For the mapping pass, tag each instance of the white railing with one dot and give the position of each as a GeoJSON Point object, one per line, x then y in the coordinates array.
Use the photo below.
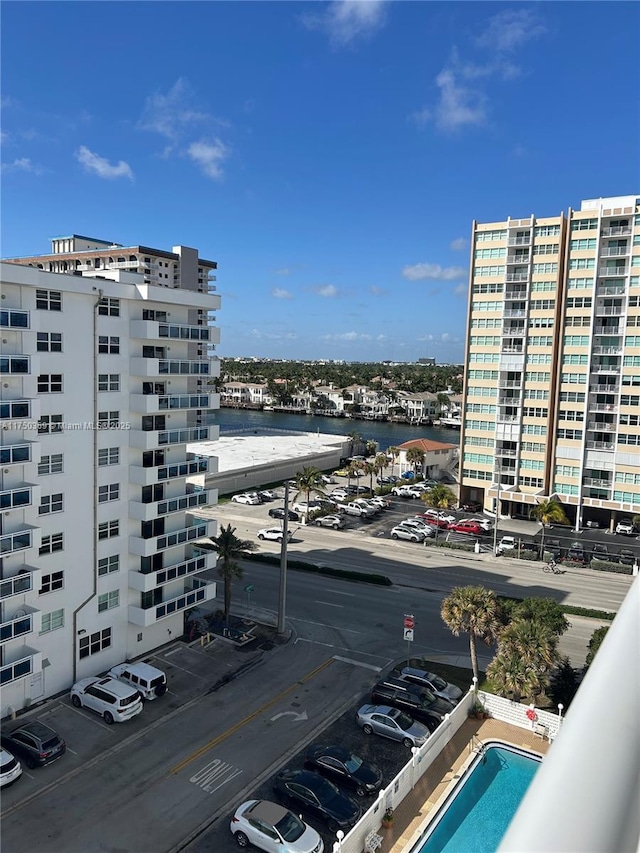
{"type": "Point", "coordinates": [618, 231]}
{"type": "Point", "coordinates": [622, 270]}
{"type": "Point", "coordinates": [585, 794]}
{"type": "Point", "coordinates": [517, 276]}
{"type": "Point", "coordinates": [600, 445]}
{"type": "Point", "coordinates": [519, 241]}
{"type": "Point", "coordinates": [615, 251]}
{"type": "Point", "coordinates": [518, 259]}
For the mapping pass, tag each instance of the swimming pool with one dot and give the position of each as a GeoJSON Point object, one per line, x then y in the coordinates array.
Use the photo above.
{"type": "Point", "coordinates": [477, 812]}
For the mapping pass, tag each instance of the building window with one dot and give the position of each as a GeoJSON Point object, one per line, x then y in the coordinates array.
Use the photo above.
{"type": "Point", "coordinates": [543, 287]}
{"type": "Point", "coordinates": [532, 482]}
{"type": "Point", "coordinates": [570, 434]}
{"type": "Point", "coordinates": [109, 307]}
{"type": "Point", "coordinates": [537, 376]}
{"type": "Point", "coordinates": [52, 582]}
{"type": "Point", "coordinates": [582, 263]}
{"type": "Point", "coordinates": [632, 341]}
{"type": "Point", "coordinates": [108, 493]}
{"type": "Point", "coordinates": [52, 543]}
{"type": "Point", "coordinates": [52, 621]}
{"type": "Point", "coordinates": [108, 345]}
{"type": "Point", "coordinates": [575, 359]}
{"type": "Point", "coordinates": [108, 456]}
{"type": "Point", "coordinates": [533, 429]}
{"type": "Point", "coordinates": [548, 267]}
{"type": "Point", "coordinates": [629, 400]}
{"type": "Point", "coordinates": [108, 529]}
{"type": "Point", "coordinates": [580, 321]}
{"type": "Point", "coordinates": [49, 424]}
{"type": "Point", "coordinates": [631, 361]}
{"type": "Point", "coordinates": [570, 415]}
{"type": "Point", "coordinates": [487, 288]}
{"type": "Point", "coordinates": [490, 236]}
{"type": "Point", "coordinates": [108, 420]}
{"type": "Point", "coordinates": [541, 322]}
{"type": "Point", "coordinates": [629, 420]}
{"type": "Point", "coordinates": [50, 383]}
{"type": "Point", "coordinates": [546, 249]}
{"type": "Point", "coordinates": [51, 464]}
{"type": "Point", "coordinates": [535, 412]}
{"type": "Point", "coordinates": [94, 643]}
{"type": "Point", "coordinates": [490, 253]}
{"type": "Point", "coordinates": [108, 601]}
{"type": "Point", "coordinates": [108, 382]}
{"type": "Point", "coordinates": [572, 396]}
{"type": "Point", "coordinates": [579, 302]}
{"type": "Point", "coordinates": [491, 269]}
{"type": "Point", "coordinates": [108, 565]}
{"type": "Point", "coordinates": [534, 358]}
{"type": "Point", "coordinates": [546, 231]}
{"type": "Point", "coordinates": [584, 224]}
{"type": "Point", "coordinates": [583, 244]}
{"type": "Point", "coordinates": [536, 394]}
{"type": "Point", "coordinates": [51, 503]}
{"type": "Point", "coordinates": [49, 300]}
{"type": "Point", "coordinates": [576, 340]}
{"type": "Point", "coordinates": [543, 304]}
{"type": "Point", "coordinates": [48, 342]}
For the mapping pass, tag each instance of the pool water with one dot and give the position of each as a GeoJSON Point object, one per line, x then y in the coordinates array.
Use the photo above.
{"type": "Point", "coordinates": [477, 817]}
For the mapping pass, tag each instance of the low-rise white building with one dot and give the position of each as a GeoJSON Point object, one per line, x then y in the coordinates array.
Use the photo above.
{"type": "Point", "coordinates": [104, 382]}
{"type": "Point", "coordinates": [438, 457]}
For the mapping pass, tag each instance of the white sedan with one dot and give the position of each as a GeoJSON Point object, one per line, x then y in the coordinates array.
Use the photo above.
{"type": "Point", "coordinates": [411, 534]}
{"type": "Point", "coordinates": [270, 826]}
{"type": "Point", "coordinates": [273, 534]}
{"type": "Point", "coordinates": [246, 498]}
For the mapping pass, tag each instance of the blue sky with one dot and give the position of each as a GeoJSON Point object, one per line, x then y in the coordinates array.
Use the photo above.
{"type": "Point", "coordinates": [330, 156]}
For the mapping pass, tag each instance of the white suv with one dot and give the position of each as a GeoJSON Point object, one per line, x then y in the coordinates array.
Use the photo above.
{"type": "Point", "coordinates": [625, 526]}
{"type": "Point", "coordinates": [147, 680]}
{"type": "Point", "coordinates": [113, 700]}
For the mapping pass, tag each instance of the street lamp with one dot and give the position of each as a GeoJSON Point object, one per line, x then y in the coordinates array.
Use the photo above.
{"type": "Point", "coordinates": [495, 527]}
{"type": "Point", "coordinates": [283, 563]}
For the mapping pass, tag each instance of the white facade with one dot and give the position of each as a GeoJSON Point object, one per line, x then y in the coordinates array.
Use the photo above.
{"type": "Point", "coordinates": [104, 381]}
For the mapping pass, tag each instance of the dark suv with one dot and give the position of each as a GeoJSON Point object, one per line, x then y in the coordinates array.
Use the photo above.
{"type": "Point", "coordinates": [36, 743]}
{"type": "Point", "coordinates": [418, 702]}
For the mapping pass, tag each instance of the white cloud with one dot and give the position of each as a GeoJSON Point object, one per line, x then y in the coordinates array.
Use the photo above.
{"type": "Point", "coordinates": [377, 291]}
{"type": "Point", "coordinates": [170, 114]}
{"type": "Point", "coordinates": [417, 272]}
{"type": "Point", "coordinates": [22, 164]}
{"type": "Point", "coordinates": [459, 244]}
{"type": "Point", "coordinates": [510, 29]}
{"type": "Point", "coordinates": [349, 336]}
{"type": "Point", "coordinates": [346, 20]}
{"type": "Point", "coordinates": [283, 271]}
{"type": "Point", "coordinates": [259, 334]}
{"type": "Point", "coordinates": [279, 293]}
{"type": "Point", "coordinates": [101, 167]}
{"type": "Point", "coordinates": [209, 156]}
{"type": "Point", "coordinates": [459, 105]}
{"type": "Point", "coordinates": [327, 290]}
{"type": "Point", "coordinates": [461, 289]}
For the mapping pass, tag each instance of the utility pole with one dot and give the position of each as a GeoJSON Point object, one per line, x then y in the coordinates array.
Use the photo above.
{"type": "Point", "coordinates": [495, 529]}
{"type": "Point", "coordinates": [283, 563]}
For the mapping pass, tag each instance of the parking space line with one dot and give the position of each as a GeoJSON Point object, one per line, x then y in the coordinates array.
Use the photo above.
{"type": "Point", "coordinates": [72, 751]}
{"type": "Point", "coordinates": [88, 716]}
{"type": "Point", "coordinates": [237, 726]}
{"type": "Point", "coordinates": [184, 669]}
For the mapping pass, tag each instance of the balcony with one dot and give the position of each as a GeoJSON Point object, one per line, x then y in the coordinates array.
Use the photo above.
{"type": "Point", "coordinates": [591, 481]}
{"type": "Point", "coordinates": [517, 276]}
{"type": "Point", "coordinates": [611, 289]}
{"type": "Point", "coordinates": [519, 241]}
{"type": "Point", "coordinates": [607, 350]}
{"type": "Point", "coordinates": [507, 418]}
{"type": "Point", "coordinates": [161, 473]}
{"type": "Point", "coordinates": [604, 389]}
{"type": "Point", "coordinates": [150, 403]}
{"type": "Point", "coordinates": [24, 620]}
{"type": "Point", "coordinates": [13, 318]}
{"type": "Point", "coordinates": [617, 231]}
{"type": "Point", "coordinates": [15, 365]}
{"type": "Point", "coordinates": [18, 498]}
{"type": "Point", "coordinates": [519, 259]}
{"type": "Point", "coordinates": [600, 445]}
{"type": "Point", "coordinates": [169, 367]}
{"type": "Point", "coordinates": [601, 426]}
{"type": "Point", "coordinates": [605, 368]}
{"type": "Point", "coordinates": [613, 271]}
{"type": "Point", "coordinates": [503, 451]}
{"type": "Point", "coordinates": [519, 312]}
{"type": "Point", "coordinates": [510, 383]}
{"type": "Point", "coordinates": [27, 579]}
{"type": "Point", "coordinates": [19, 664]}
{"type": "Point", "coordinates": [515, 293]}
{"type": "Point", "coordinates": [156, 509]}
{"type": "Point", "coordinates": [154, 439]}
{"type": "Point", "coordinates": [194, 592]}
{"type": "Point", "coordinates": [19, 454]}
{"type": "Point", "coordinates": [607, 330]}
{"type": "Point", "coordinates": [12, 543]}
{"type": "Point", "coordinates": [615, 251]}
{"type": "Point", "coordinates": [518, 349]}
{"type": "Point", "coordinates": [147, 582]}
{"type": "Point", "coordinates": [603, 407]}
{"type": "Point", "coordinates": [158, 330]}
{"type": "Point", "coordinates": [147, 547]}
{"type": "Point", "coordinates": [609, 310]}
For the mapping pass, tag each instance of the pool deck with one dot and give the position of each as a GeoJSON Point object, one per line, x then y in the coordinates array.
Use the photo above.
{"type": "Point", "coordinates": [413, 810]}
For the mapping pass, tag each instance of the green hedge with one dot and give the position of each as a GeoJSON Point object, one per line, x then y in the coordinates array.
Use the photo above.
{"type": "Point", "coordinates": [607, 566]}
{"type": "Point", "coordinates": [568, 609]}
{"type": "Point", "coordinates": [303, 566]}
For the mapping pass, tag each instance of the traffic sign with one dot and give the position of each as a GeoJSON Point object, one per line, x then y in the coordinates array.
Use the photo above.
{"type": "Point", "coordinates": [408, 634]}
{"type": "Point", "coordinates": [409, 621]}
{"type": "Point", "coordinates": [249, 588]}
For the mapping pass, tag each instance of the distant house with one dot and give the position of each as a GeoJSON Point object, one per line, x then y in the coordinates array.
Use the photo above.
{"type": "Point", "coordinates": [241, 393]}
{"type": "Point", "coordinates": [421, 404]}
{"type": "Point", "coordinates": [437, 455]}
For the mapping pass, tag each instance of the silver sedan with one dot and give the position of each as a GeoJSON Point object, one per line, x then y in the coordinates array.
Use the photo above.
{"type": "Point", "coordinates": [392, 723]}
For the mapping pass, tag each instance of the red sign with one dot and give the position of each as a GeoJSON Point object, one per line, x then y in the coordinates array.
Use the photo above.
{"type": "Point", "coordinates": [409, 622]}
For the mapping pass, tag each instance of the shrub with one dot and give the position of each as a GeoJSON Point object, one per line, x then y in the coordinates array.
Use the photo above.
{"type": "Point", "coordinates": [345, 574]}
{"type": "Point", "coordinates": [531, 556]}
{"type": "Point", "coordinates": [608, 566]}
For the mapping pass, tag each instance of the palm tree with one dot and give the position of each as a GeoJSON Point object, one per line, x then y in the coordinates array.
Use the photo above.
{"type": "Point", "coordinates": [370, 468]}
{"type": "Point", "coordinates": [230, 547]}
{"type": "Point", "coordinates": [547, 512]}
{"type": "Point", "coordinates": [371, 447]}
{"type": "Point", "coordinates": [439, 496]}
{"type": "Point", "coordinates": [532, 642]}
{"type": "Point", "coordinates": [393, 452]}
{"type": "Point", "coordinates": [380, 463]}
{"type": "Point", "coordinates": [474, 610]}
{"type": "Point", "coordinates": [415, 457]}
{"type": "Point", "coordinates": [511, 675]}
{"type": "Point", "coordinates": [309, 481]}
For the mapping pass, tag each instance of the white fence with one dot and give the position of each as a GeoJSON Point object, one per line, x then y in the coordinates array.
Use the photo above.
{"type": "Point", "coordinates": [515, 714]}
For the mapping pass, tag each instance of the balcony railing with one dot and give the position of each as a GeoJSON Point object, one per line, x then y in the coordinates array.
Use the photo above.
{"type": "Point", "coordinates": [13, 318]}
{"type": "Point", "coordinates": [604, 389]}
{"type": "Point", "coordinates": [512, 349]}
{"type": "Point", "coordinates": [617, 231]}
{"type": "Point", "coordinates": [10, 543]}
{"type": "Point", "coordinates": [15, 364]}
{"type": "Point", "coordinates": [607, 350]}
{"type": "Point", "coordinates": [613, 271]}
{"type": "Point", "coordinates": [153, 439]}
{"type": "Point", "coordinates": [600, 445]}
{"type": "Point", "coordinates": [591, 481]}
{"type": "Point", "coordinates": [27, 661]}
{"type": "Point", "coordinates": [503, 451]}
{"type": "Point", "coordinates": [519, 241]}
{"type": "Point", "coordinates": [514, 312]}
{"type": "Point", "coordinates": [194, 592]}
{"type": "Point", "coordinates": [615, 251]}
{"type": "Point", "coordinates": [601, 426]}
{"type": "Point", "coordinates": [515, 293]}
{"type": "Point", "coordinates": [155, 509]}
{"type": "Point", "coordinates": [519, 259]}
{"type": "Point", "coordinates": [147, 476]}
{"type": "Point", "coordinates": [609, 310]}
{"type": "Point", "coordinates": [510, 383]}
{"type": "Point", "coordinates": [14, 628]}
{"type": "Point", "coordinates": [605, 368]}
{"type": "Point", "coordinates": [611, 289]}
{"type": "Point", "coordinates": [147, 547]}
{"type": "Point", "coordinates": [169, 367]}
{"type": "Point", "coordinates": [16, 454]}
{"type": "Point", "coordinates": [507, 418]}
{"type": "Point", "coordinates": [200, 562]}
{"type": "Point", "coordinates": [517, 276]}
{"type": "Point", "coordinates": [607, 330]}
{"type": "Point", "coordinates": [602, 407]}
{"type": "Point", "coordinates": [149, 403]}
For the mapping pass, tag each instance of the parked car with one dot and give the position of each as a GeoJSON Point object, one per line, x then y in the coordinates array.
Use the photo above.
{"type": "Point", "coordinates": [278, 512]}
{"type": "Point", "coordinates": [340, 494]}
{"type": "Point", "coordinates": [149, 681]}
{"type": "Point", "coordinates": [415, 672]}
{"type": "Point", "coordinates": [345, 768]}
{"type": "Point", "coordinates": [507, 543]}
{"type": "Point", "coordinates": [328, 479]}
{"type": "Point", "coordinates": [35, 742]}
{"type": "Point", "coordinates": [10, 768]}
{"type": "Point", "coordinates": [485, 523]}
{"type": "Point", "coordinates": [269, 826]}
{"type": "Point", "coordinates": [354, 508]}
{"type": "Point", "coordinates": [246, 498]}
{"type": "Point", "coordinates": [553, 547]}
{"type": "Point", "coordinates": [367, 506]}
{"type": "Point", "coordinates": [335, 521]}
{"type": "Point", "coordinates": [273, 534]}
{"type": "Point", "coordinates": [627, 557]}
{"type": "Point", "coordinates": [404, 492]}
{"type": "Point", "coordinates": [303, 506]}
{"type": "Point", "coordinates": [431, 517]}
{"type": "Point", "coordinates": [440, 515]}
{"type": "Point", "coordinates": [316, 796]}
{"type": "Point", "coordinates": [341, 472]}
{"type": "Point", "coordinates": [410, 534]}
{"type": "Point", "coordinates": [114, 701]}
{"type": "Point", "coordinates": [417, 701]}
{"type": "Point", "coordinates": [577, 553]}
{"type": "Point", "coordinates": [625, 526]}
{"type": "Point", "coordinates": [353, 489]}
{"type": "Point", "coordinates": [267, 495]}
{"type": "Point", "coordinates": [386, 481]}
{"type": "Point", "coordinates": [380, 501]}
{"type": "Point", "coordinates": [390, 722]}
{"type": "Point", "coordinates": [600, 552]}
{"type": "Point", "coordinates": [419, 524]}
{"type": "Point", "coordinates": [468, 527]}
{"type": "Point", "coordinates": [471, 506]}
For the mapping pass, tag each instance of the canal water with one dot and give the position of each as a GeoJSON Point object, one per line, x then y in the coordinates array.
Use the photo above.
{"type": "Point", "coordinates": [384, 433]}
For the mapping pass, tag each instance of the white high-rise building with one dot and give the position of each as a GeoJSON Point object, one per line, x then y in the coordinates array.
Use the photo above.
{"type": "Point", "coordinates": [106, 356]}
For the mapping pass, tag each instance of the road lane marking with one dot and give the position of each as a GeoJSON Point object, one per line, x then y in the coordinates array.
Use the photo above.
{"type": "Point", "coordinates": [340, 592]}
{"type": "Point", "coordinates": [329, 604]}
{"type": "Point", "coordinates": [233, 729]}
{"type": "Point", "coordinates": [215, 771]}
{"type": "Point", "coordinates": [335, 646]}
{"type": "Point", "coordinates": [358, 663]}
{"type": "Point", "coordinates": [324, 625]}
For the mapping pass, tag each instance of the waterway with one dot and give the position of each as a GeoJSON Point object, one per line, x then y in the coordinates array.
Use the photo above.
{"type": "Point", "coordinates": [384, 433]}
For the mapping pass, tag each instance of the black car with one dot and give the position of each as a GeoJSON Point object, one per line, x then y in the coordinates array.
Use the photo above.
{"type": "Point", "coordinates": [316, 796]}
{"type": "Point", "coordinates": [418, 702]}
{"type": "Point", "coordinates": [626, 557]}
{"type": "Point", "coordinates": [577, 553]}
{"type": "Point", "coordinates": [278, 512]}
{"type": "Point", "coordinates": [345, 768]}
{"type": "Point", "coordinates": [471, 506]}
{"type": "Point", "coordinates": [553, 547]}
{"type": "Point", "coordinates": [35, 742]}
{"type": "Point", "coordinates": [600, 552]}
